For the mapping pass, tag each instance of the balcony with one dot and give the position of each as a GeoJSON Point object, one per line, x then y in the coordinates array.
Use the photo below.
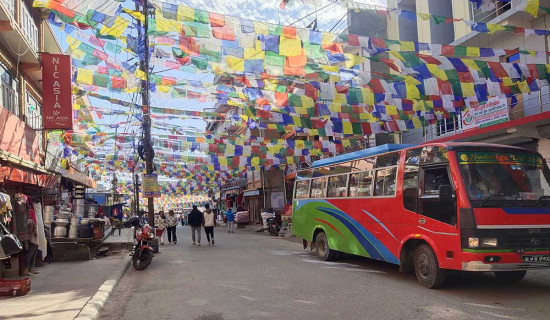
{"type": "Point", "coordinates": [19, 34]}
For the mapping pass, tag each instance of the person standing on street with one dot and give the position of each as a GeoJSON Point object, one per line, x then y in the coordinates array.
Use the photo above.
{"type": "Point", "coordinates": [171, 223]}
{"type": "Point", "coordinates": [160, 223]}
{"type": "Point", "coordinates": [209, 223]}
{"type": "Point", "coordinates": [195, 220]}
{"type": "Point", "coordinates": [230, 220]}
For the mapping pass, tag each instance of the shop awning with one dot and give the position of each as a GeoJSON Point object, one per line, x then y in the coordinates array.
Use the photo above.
{"type": "Point", "coordinates": [251, 193]}
{"type": "Point", "coordinates": [28, 176]}
{"type": "Point", "coordinates": [80, 178]}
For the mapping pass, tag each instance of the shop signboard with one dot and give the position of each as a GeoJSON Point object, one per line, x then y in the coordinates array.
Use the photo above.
{"type": "Point", "coordinates": [150, 186]}
{"type": "Point", "coordinates": [481, 116]}
{"type": "Point", "coordinates": [57, 103]}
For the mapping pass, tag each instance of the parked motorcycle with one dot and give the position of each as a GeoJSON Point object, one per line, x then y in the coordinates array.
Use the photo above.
{"type": "Point", "coordinates": [273, 226]}
{"type": "Point", "coordinates": [142, 252]}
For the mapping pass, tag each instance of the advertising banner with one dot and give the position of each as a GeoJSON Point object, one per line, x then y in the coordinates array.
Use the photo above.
{"type": "Point", "coordinates": [150, 186]}
{"type": "Point", "coordinates": [480, 116]}
{"type": "Point", "coordinates": [57, 102]}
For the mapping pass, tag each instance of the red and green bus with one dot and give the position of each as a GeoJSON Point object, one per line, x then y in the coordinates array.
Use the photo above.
{"type": "Point", "coordinates": [429, 208]}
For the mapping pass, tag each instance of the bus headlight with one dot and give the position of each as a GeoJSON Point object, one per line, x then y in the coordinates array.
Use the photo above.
{"type": "Point", "coordinates": [489, 242]}
{"type": "Point", "coordinates": [473, 242]}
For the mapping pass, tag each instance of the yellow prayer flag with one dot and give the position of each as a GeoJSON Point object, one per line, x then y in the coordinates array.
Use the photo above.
{"type": "Point", "coordinates": [347, 127]}
{"type": "Point", "coordinates": [297, 121]}
{"type": "Point", "coordinates": [407, 46]}
{"type": "Point", "coordinates": [222, 160]}
{"type": "Point", "coordinates": [163, 88]}
{"type": "Point", "coordinates": [261, 27]}
{"type": "Point", "coordinates": [495, 28]}
{"type": "Point", "coordinates": [118, 27]}
{"type": "Point", "coordinates": [353, 60]}
{"type": "Point", "coordinates": [334, 78]}
{"type": "Point", "coordinates": [136, 14]}
{"type": "Point", "coordinates": [252, 54]}
{"type": "Point", "coordinates": [368, 96]}
{"type": "Point", "coordinates": [436, 72]}
{"type": "Point", "coordinates": [236, 64]}
{"type": "Point", "coordinates": [507, 81]}
{"type": "Point", "coordinates": [330, 68]}
{"type": "Point", "coordinates": [391, 110]}
{"type": "Point", "coordinates": [290, 160]}
{"type": "Point", "coordinates": [416, 122]}
{"type": "Point", "coordinates": [470, 64]}
{"type": "Point", "coordinates": [472, 51]}
{"type": "Point", "coordinates": [72, 42]}
{"type": "Point", "coordinates": [411, 80]}
{"type": "Point", "coordinates": [340, 98]}
{"type": "Point", "coordinates": [85, 76]}
{"type": "Point", "coordinates": [290, 47]}
{"type": "Point", "coordinates": [307, 102]}
{"type": "Point", "coordinates": [532, 7]}
{"type": "Point", "coordinates": [424, 16]}
{"type": "Point", "coordinates": [468, 89]}
{"type": "Point", "coordinates": [186, 13]}
{"type": "Point", "coordinates": [397, 55]}
{"type": "Point", "coordinates": [412, 91]}
{"type": "Point", "coordinates": [523, 87]}
{"type": "Point", "coordinates": [140, 74]}
{"type": "Point", "coordinates": [300, 144]}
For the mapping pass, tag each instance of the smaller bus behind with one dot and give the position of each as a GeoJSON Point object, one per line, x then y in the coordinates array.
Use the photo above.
{"type": "Point", "coordinates": [430, 208]}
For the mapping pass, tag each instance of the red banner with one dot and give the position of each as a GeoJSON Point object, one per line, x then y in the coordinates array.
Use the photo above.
{"type": "Point", "coordinates": [56, 92]}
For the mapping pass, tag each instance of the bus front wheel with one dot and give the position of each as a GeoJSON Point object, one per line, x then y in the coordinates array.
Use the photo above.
{"type": "Point", "coordinates": [324, 252]}
{"type": "Point", "coordinates": [427, 268]}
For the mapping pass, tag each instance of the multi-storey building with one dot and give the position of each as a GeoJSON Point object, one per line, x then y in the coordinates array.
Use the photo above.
{"type": "Point", "coordinates": [528, 115]}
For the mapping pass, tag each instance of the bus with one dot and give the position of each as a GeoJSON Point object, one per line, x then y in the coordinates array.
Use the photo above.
{"type": "Point", "coordinates": [429, 208]}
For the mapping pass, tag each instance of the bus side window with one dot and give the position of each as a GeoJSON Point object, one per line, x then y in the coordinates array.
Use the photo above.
{"type": "Point", "coordinates": [360, 184]}
{"type": "Point", "coordinates": [337, 186]}
{"type": "Point", "coordinates": [302, 188]}
{"type": "Point", "coordinates": [410, 188]}
{"type": "Point", "coordinates": [429, 204]}
{"type": "Point", "coordinates": [318, 187]}
{"type": "Point", "coordinates": [385, 182]}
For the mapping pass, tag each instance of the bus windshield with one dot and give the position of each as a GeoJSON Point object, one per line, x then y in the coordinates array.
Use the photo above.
{"type": "Point", "coordinates": [504, 175]}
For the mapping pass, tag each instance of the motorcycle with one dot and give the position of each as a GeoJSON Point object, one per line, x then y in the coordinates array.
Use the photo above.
{"type": "Point", "coordinates": [273, 226]}
{"type": "Point", "coordinates": [142, 252]}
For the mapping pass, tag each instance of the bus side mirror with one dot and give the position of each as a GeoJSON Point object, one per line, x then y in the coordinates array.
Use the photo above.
{"type": "Point", "coordinates": [446, 192]}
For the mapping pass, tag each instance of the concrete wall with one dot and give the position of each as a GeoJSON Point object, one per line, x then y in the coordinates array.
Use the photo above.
{"type": "Point", "coordinates": [441, 33]}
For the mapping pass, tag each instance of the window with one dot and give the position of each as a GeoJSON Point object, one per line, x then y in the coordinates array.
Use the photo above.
{"type": "Point", "coordinates": [434, 178]}
{"type": "Point", "coordinates": [337, 186]}
{"type": "Point", "coordinates": [387, 160]}
{"type": "Point", "coordinates": [302, 188]}
{"type": "Point", "coordinates": [448, 125]}
{"type": "Point", "coordinates": [318, 187]}
{"type": "Point", "coordinates": [364, 164]}
{"type": "Point", "coordinates": [341, 168]}
{"type": "Point", "coordinates": [433, 154]}
{"type": "Point", "coordinates": [9, 90]}
{"type": "Point", "coordinates": [360, 184]}
{"type": "Point", "coordinates": [34, 112]}
{"type": "Point", "coordinates": [385, 182]}
{"type": "Point", "coordinates": [410, 188]}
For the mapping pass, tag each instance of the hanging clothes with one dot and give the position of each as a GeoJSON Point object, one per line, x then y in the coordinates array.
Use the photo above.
{"type": "Point", "coordinates": [21, 217]}
{"type": "Point", "coordinates": [6, 209]}
{"type": "Point", "coordinates": [42, 244]}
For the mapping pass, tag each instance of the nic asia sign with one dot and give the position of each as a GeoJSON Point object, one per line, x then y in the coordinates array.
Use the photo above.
{"type": "Point", "coordinates": [57, 102]}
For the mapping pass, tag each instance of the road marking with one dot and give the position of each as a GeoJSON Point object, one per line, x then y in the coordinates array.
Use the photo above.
{"type": "Point", "coordinates": [248, 298]}
{"type": "Point", "coordinates": [231, 286]}
{"type": "Point", "coordinates": [493, 307]}
{"type": "Point", "coordinates": [305, 302]}
{"type": "Point", "coordinates": [498, 315]}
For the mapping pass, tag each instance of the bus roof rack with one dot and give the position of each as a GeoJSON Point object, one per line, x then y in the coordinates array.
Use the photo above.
{"type": "Point", "coordinates": [360, 154]}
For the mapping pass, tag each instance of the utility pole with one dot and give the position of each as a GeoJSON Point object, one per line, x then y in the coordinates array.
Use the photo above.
{"type": "Point", "coordinates": [144, 66]}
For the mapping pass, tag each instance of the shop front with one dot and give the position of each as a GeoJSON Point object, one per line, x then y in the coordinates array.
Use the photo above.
{"type": "Point", "coordinates": [254, 202]}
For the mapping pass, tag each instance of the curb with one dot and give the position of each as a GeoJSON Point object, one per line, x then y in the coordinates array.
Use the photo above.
{"type": "Point", "coordinates": [90, 311]}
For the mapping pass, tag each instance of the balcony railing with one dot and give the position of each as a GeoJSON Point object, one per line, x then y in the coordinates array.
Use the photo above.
{"type": "Point", "coordinates": [28, 26]}
{"type": "Point", "coordinates": [478, 15]}
{"type": "Point", "coordinates": [10, 6]}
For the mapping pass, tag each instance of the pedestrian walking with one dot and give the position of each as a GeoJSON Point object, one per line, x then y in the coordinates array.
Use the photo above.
{"type": "Point", "coordinates": [195, 220]}
{"type": "Point", "coordinates": [160, 223]}
{"type": "Point", "coordinates": [209, 223]}
{"type": "Point", "coordinates": [171, 223]}
{"type": "Point", "coordinates": [230, 216]}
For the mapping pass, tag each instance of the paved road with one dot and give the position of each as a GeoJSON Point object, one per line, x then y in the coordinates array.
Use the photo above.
{"type": "Point", "coordinates": [249, 275]}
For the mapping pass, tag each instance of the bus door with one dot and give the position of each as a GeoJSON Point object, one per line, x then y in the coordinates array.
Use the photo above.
{"type": "Point", "coordinates": [436, 208]}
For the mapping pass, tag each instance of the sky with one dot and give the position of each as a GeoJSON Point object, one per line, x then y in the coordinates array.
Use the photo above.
{"type": "Point", "coordinates": [330, 15]}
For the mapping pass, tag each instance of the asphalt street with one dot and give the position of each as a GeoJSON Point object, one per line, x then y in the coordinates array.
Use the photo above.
{"type": "Point", "coordinates": [248, 275]}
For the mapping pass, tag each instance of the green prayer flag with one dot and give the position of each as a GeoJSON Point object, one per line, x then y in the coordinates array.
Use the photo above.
{"type": "Point", "coordinates": [438, 19]}
{"type": "Point", "coordinates": [461, 51]}
{"type": "Point", "coordinates": [313, 51]}
{"type": "Point", "coordinates": [357, 128]}
{"type": "Point", "coordinates": [274, 59]}
{"type": "Point", "coordinates": [201, 16]}
{"type": "Point", "coordinates": [275, 30]}
{"type": "Point", "coordinates": [200, 63]}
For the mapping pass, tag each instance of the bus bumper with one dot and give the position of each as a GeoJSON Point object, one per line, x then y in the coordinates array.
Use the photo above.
{"type": "Point", "coordinates": [496, 261]}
